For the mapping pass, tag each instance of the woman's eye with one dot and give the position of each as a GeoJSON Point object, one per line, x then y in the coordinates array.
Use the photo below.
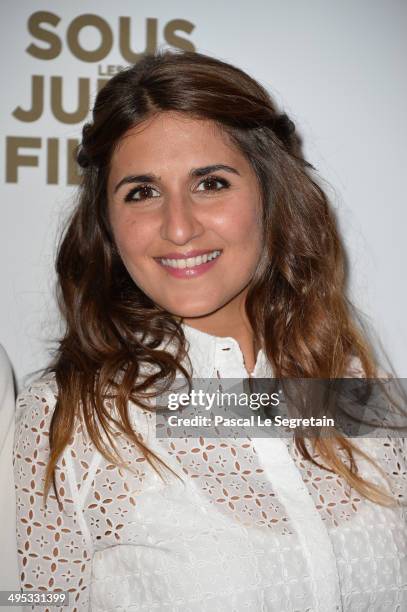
{"type": "Point", "coordinates": [142, 192]}
{"type": "Point", "coordinates": [212, 183]}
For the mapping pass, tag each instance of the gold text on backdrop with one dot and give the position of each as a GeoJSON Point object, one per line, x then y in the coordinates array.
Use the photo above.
{"type": "Point", "coordinates": [36, 152]}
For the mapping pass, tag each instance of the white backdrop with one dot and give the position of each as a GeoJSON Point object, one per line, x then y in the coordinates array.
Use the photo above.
{"type": "Point", "coordinates": [338, 68]}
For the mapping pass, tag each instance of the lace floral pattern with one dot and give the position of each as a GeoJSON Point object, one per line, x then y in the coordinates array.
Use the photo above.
{"type": "Point", "coordinates": [248, 526]}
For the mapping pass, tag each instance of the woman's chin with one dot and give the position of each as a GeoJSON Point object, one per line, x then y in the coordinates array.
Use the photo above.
{"type": "Point", "coordinates": [194, 311]}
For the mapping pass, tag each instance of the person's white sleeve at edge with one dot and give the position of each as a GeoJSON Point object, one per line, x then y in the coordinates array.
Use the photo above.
{"type": "Point", "coordinates": [9, 575]}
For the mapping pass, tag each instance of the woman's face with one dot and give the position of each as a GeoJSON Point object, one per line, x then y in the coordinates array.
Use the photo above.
{"type": "Point", "coordinates": [185, 210]}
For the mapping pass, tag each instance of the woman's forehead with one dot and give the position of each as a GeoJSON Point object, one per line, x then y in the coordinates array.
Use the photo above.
{"type": "Point", "coordinates": [167, 139]}
{"type": "Point", "coordinates": [178, 126]}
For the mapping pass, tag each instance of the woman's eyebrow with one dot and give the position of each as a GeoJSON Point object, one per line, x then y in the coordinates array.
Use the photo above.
{"type": "Point", "coordinates": [213, 168]}
{"type": "Point", "coordinates": [133, 178]}
{"type": "Point", "coordinates": [149, 178]}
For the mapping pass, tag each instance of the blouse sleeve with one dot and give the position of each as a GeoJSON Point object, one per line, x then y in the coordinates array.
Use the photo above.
{"type": "Point", "coordinates": [54, 544]}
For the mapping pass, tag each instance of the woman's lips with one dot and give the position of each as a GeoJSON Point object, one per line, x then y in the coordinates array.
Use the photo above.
{"type": "Point", "coordinates": [190, 272]}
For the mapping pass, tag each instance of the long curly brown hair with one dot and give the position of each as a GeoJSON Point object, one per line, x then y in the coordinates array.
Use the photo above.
{"type": "Point", "coordinates": [296, 303]}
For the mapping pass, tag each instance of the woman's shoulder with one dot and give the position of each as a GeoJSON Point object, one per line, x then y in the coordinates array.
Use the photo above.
{"type": "Point", "coordinates": [42, 388]}
{"type": "Point", "coordinates": [385, 446]}
{"type": "Point", "coordinates": [36, 405]}
{"type": "Point", "coordinates": [41, 392]}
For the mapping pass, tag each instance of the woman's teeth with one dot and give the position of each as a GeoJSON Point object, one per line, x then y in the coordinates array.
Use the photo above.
{"type": "Point", "coordinates": [190, 262]}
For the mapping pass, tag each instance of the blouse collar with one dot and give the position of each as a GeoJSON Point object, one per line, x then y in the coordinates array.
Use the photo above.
{"type": "Point", "coordinates": [209, 353]}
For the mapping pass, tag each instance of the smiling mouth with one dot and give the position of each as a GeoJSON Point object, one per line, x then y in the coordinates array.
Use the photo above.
{"type": "Point", "coordinates": [189, 262]}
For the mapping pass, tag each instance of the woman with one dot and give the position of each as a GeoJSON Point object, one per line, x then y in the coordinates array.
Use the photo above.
{"type": "Point", "coordinates": [201, 246]}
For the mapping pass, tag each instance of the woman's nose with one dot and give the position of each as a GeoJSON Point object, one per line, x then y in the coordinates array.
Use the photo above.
{"type": "Point", "coordinates": [180, 223]}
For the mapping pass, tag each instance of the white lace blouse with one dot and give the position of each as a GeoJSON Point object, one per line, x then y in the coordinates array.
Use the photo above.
{"type": "Point", "coordinates": [252, 526]}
